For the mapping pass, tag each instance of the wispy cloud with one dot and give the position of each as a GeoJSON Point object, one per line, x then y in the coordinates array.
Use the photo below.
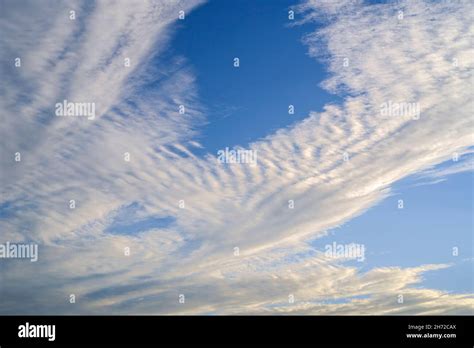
{"type": "Point", "coordinates": [333, 165]}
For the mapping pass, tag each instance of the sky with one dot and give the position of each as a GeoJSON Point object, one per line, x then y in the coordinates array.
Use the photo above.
{"type": "Point", "coordinates": [133, 212]}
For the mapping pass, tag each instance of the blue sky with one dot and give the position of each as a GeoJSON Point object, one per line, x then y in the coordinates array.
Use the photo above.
{"type": "Point", "coordinates": [251, 102]}
{"type": "Point", "coordinates": [157, 215]}
{"type": "Point", "coordinates": [435, 219]}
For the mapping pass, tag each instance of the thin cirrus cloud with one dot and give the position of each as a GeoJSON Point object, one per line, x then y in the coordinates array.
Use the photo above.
{"type": "Point", "coordinates": [190, 251]}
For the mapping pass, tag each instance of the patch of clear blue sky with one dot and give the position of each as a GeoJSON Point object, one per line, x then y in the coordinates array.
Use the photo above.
{"type": "Point", "coordinates": [6, 210]}
{"type": "Point", "coordinates": [250, 102]}
{"type": "Point", "coordinates": [435, 218]}
{"type": "Point", "coordinates": [128, 221]}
